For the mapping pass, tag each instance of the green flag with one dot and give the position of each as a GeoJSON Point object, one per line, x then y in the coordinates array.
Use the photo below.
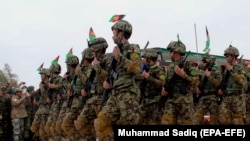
{"type": "Point", "coordinates": [55, 61]}
{"type": "Point", "coordinates": [69, 54]}
{"type": "Point", "coordinates": [207, 41]}
{"type": "Point", "coordinates": [40, 67]}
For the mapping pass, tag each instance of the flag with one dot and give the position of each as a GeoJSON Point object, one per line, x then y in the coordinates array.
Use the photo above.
{"type": "Point", "coordinates": [69, 54]}
{"type": "Point", "coordinates": [91, 34]}
{"type": "Point", "coordinates": [55, 61]}
{"type": "Point", "coordinates": [41, 66]}
{"type": "Point", "coordinates": [116, 18]}
{"type": "Point", "coordinates": [207, 41]}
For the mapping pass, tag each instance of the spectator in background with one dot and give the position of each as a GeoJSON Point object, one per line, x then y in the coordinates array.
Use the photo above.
{"type": "Point", "coordinates": [18, 113]}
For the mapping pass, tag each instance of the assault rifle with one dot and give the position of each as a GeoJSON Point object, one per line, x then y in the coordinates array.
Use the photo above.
{"type": "Point", "coordinates": [72, 85]}
{"type": "Point", "coordinates": [203, 83]}
{"type": "Point", "coordinates": [169, 85]}
{"type": "Point", "coordinates": [88, 87]}
{"type": "Point", "coordinates": [112, 74]}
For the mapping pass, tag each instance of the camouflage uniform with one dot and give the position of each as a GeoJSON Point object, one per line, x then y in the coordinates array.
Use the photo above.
{"type": "Point", "coordinates": [5, 120]}
{"type": "Point", "coordinates": [207, 92]}
{"type": "Point", "coordinates": [72, 86]}
{"type": "Point", "coordinates": [179, 107]}
{"type": "Point", "coordinates": [247, 98]}
{"type": "Point", "coordinates": [42, 113]}
{"type": "Point", "coordinates": [123, 103]}
{"type": "Point", "coordinates": [94, 89]}
{"type": "Point", "coordinates": [53, 95]}
{"type": "Point", "coordinates": [233, 109]}
{"type": "Point", "coordinates": [150, 108]}
{"type": "Point", "coordinates": [18, 113]}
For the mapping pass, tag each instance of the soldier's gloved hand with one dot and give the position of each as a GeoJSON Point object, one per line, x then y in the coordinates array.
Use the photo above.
{"type": "Point", "coordinates": [68, 93]}
{"type": "Point", "coordinates": [116, 51]}
{"type": "Point", "coordinates": [220, 92]}
{"type": "Point", "coordinates": [179, 71]}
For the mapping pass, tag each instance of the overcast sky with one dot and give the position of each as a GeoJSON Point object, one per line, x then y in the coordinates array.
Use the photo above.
{"type": "Point", "coordinates": [35, 32]}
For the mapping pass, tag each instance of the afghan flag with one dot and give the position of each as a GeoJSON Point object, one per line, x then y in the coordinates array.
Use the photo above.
{"type": "Point", "coordinates": [116, 18]}
{"type": "Point", "coordinates": [69, 54]}
{"type": "Point", "coordinates": [40, 68]}
{"type": "Point", "coordinates": [55, 61]}
{"type": "Point", "coordinates": [207, 41]}
{"type": "Point", "coordinates": [92, 36]}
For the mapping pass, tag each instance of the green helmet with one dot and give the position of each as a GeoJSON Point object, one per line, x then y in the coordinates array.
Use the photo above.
{"type": "Point", "coordinates": [122, 25]}
{"type": "Point", "coordinates": [56, 68]}
{"type": "Point", "coordinates": [177, 46]}
{"type": "Point", "coordinates": [98, 44]}
{"type": "Point", "coordinates": [73, 60]}
{"type": "Point", "coordinates": [87, 54]}
{"type": "Point", "coordinates": [231, 51]}
{"type": "Point", "coordinates": [44, 71]}
{"type": "Point", "coordinates": [150, 53]}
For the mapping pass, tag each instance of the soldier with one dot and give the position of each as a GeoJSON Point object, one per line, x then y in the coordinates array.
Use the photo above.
{"type": "Point", "coordinates": [154, 78]}
{"type": "Point", "coordinates": [123, 103]}
{"type": "Point", "coordinates": [69, 81]}
{"type": "Point", "coordinates": [18, 113]}
{"type": "Point", "coordinates": [93, 91]}
{"type": "Point", "coordinates": [54, 97]}
{"type": "Point", "coordinates": [41, 115]}
{"type": "Point", "coordinates": [210, 78]}
{"type": "Point", "coordinates": [247, 97]}
{"type": "Point", "coordinates": [233, 87]}
{"type": "Point", "coordinates": [182, 77]}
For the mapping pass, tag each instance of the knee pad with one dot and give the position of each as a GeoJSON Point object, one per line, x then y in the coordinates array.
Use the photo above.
{"type": "Point", "coordinates": [58, 128]}
{"type": "Point", "coordinates": [80, 122]}
{"type": "Point", "coordinates": [167, 120]}
{"type": "Point", "coordinates": [47, 128]}
{"type": "Point", "coordinates": [199, 117]}
{"type": "Point", "coordinates": [102, 126]}
{"type": "Point", "coordinates": [238, 119]}
{"type": "Point", "coordinates": [247, 119]}
{"type": "Point", "coordinates": [34, 127]}
{"type": "Point", "coordinates": [224, 117]}
{"type": "Point", "coordinates": [68, 127]}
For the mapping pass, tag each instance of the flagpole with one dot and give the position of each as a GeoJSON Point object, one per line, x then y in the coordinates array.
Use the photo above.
{"type": "Point", "coordinates": [196, 43]}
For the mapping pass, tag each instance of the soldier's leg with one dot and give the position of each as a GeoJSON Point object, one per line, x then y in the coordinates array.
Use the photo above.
{"type": "Point", "coordinates": [224, 115]}
{"type": "Point", "coordinates": [16, 129]}
{"type": "Point", "coordinates": [238, 109]}
{"type": "Point", "coordinates": [168, 117]}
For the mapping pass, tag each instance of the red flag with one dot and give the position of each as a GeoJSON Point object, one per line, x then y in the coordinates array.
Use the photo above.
{"type": "Point", "coordinates": [41, 66]}
{"type": "Point", "coordinates": [55, 61]}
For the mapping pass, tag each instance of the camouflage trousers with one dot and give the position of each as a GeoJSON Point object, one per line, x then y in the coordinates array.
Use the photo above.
{"type": "Point", "coordinates": [232, 110]}
{"type": "Point", "coordinates": [121, 108]}
{"type": "Point", "coordinates": [247, 118]}
{"type": "Point", "coordinates": [150, 113]}
{"type": "Point", "coordinates": [206, 104]}
{"type": "Point", "coordinates": [18, 129]}
{"type": "Point", "coordinates": [89, 112]}
{"type": "Point", "coordinates": [178, 110]}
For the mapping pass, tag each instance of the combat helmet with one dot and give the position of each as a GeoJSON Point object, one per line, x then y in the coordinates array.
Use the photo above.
{"type": "Point", "coordinates": [150, 53]}
{"type": "Point", "coordinates": [177, 46]}
{"type": "Point", "coordinates": [56, 68]}
{"type": "Point", "coordinates": [73, 60]}
{"type": "Point", "coordinates": [87, 54]}
{"type": "Point", "coordinates": [44, 71]}
{"type": "Point", "coordinates": [231, 51]}
{"type": "Point", "coordinates": [122, 25]}
{"type": "Point", "coordinates": [98, 44]}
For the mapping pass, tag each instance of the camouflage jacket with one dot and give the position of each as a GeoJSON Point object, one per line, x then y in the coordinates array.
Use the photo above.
{"type": "Point", "coordinates": [18, 107]}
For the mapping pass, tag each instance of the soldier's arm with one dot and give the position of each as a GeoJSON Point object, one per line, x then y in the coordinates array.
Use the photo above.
{"type": "Point", "coordinates": [17, 102]}
{"type": "Point", "coordinates": [158, 81]}
{"type": "Point", "coordinates": [215, 77]}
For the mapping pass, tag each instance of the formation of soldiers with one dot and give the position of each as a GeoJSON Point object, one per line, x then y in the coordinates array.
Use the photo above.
{"type": "Point", "coordinates": [128, 87]}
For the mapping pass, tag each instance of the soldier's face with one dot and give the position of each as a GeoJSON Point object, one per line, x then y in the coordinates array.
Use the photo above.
{"type": "Point", "coordinates": [116, 36]}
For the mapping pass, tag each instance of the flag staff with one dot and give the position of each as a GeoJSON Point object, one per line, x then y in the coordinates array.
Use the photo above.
{"type": "Point", "coordinates": [196, 44]}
